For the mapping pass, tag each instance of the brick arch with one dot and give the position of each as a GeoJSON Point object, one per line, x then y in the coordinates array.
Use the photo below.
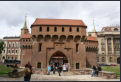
{"type": "Point", "coordinates": [70, 38]}
{"type": "Point", "coordinates": [55, 37]}
{"type": "Point", "coordinates": [62, 37]}
{"type": "Point", "coordinates": [47, 37]}
{"type": "Point", "coordinates": [54, 51]}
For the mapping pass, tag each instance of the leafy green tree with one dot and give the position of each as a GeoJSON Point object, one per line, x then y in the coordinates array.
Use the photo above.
{"type": "Point", "coordinates": [1, 46]}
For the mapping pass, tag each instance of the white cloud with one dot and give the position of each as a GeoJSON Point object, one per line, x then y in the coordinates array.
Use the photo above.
{"type": "Point", "coordinates": [12, 13]}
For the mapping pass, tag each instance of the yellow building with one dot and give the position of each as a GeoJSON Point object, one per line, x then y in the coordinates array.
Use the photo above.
{"type": "Point", "coordinates": [108, 44]}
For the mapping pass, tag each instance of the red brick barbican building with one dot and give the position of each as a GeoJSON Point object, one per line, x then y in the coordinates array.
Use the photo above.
{"type": "Point", "coordinates": [58, 41]}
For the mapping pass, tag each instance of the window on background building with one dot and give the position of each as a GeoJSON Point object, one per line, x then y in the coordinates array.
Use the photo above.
{"type": "Point", "coordinates": [16, 51]}
{"type": "Point", "coordinates": [62, 29]}
{"type": "Point", "coordinates": [8, 57]}
{"type": "Point", "coordinates": [117, 51]}
{"type": "Point", "coordinates": [12, 51]}
{"type": "Point", "coordinates": [8, 51]}
{"type": "Point", "coordinates": [4, 45]}
{"type": "Point", "coordinates": [77, 29]}
{"type": "Point", "coordinates": [97, 51]}
{"type": "Point", "coordinates": [40, 29]}
{"type": "Point", "coordinates": [16, 44]}
{"type": "Point", "coordinates": [109, 51]}
{"type": "Point", "coordinates": [101, 40]}
{"type": "Point", "coordinates": [3, 51]}
{"type": "Point", "coordinates": [77, 65]}
{"type": "Point", "coordinates": [11, 57]}
{"type": "Point", "coordinates": [47, 29]}
{"type": "Point", "coordinates": [77, 47]}
{"type": "Point", "coordinates": [109, 46]}
{"type": "Point", "coordinates": [102, 46]}
{"type": "Point", "coordinates": [3, 57]}
{"type": "Point", "coordinates": [110, 59]}
{"type": "Point", "coordinates": [117, 46]}
{"type": "Point", "coordinates": [13, 45]}
{"type": "Point", "coordinates": [70, 29]}
{"type": "Point", "coordinates": [15, 58]}
{"type": "Point", "coordinates": [115, 29]}
{"type": "Point", "coordinates": [9, 44]}
{"type": "Point", "coordinates": [116, 40]}
{"type": "Point", "coordinates": [55, 29]}
{"type": "Point", "coordinates": [103, 59]}
{"type": "Point", "coordinates": [40, 47]}
{"type": "Point", "coordinates": [109, 39]}
{"type": "Point", "coordinates": [90, 35]}
{"type": "Point", "coordinates": [97, 59]}
{"type": "Point", "coordinates": [102, 51]}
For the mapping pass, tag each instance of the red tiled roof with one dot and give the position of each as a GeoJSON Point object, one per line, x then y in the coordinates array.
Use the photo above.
{"type": "Point", "coordinates": [26, 36]}
{"type": "Point", "coordinates": [39, 21]}
{"type": "Point", "coordinates": [91, 38]}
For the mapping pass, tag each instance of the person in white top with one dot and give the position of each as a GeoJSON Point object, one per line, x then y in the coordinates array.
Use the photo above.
{"type": "Point", "coordinates": [64, 69]}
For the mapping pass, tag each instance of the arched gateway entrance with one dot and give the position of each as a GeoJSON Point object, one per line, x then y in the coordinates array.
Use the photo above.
{"type": "Point", "coordinates": [58, 58]}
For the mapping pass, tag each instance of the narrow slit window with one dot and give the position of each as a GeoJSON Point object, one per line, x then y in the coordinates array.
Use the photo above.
{"type": "Point", "coordinates": [77, 29]}
{"type": "Point", "coordinates": [40, 29]}
{"type": "Point", "coordinates": [70, 29]}
{"type": "Point", "coordinates": [47, 29]}
{"type": "Point", "coordinates": [40, 47]}
{"type": "Point", "coordinates": [62, 29]}
{"type": "Point", "coordinates": [77, 47]}
{"type": "Point", "coordinates": [55, 29]}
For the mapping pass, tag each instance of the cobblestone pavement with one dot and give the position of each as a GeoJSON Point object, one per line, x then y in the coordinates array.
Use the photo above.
{"type": "Point", "coordinates": [56, 77]}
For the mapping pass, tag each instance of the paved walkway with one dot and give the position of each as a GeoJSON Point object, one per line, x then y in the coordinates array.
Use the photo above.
{"type": "Point", "coordinates": [56, 77]}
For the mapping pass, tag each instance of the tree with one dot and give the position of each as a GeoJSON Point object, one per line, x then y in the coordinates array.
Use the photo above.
{"type": "Point", "coordinates": [1, 46]}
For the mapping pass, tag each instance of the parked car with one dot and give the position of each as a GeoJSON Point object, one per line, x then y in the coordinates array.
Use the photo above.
{"type": "Point", "coordinates": [112, 64]}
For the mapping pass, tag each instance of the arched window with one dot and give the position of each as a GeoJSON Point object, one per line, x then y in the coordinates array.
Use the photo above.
{"type": "Point", "coordinates": [70, 29]}
{"type": "Point", "coordinates": [40, 29]}
{"type": "Point", "coordinates": [97, 59]}
{"type": "Point", "coordinates": [115, 29]}
{"type": "Point", "coordinates": [103, 59]}
{"type": "Point", "coordinates": [55, 29]}
{"type": "Point", "coordinates": [77, 29]}
{"type": "Point", "coordinates": [110, 59]}
{"type": "Point", "coordinates": [47, 29]}
{"type": "Point", "coordinates": [13, 45]}
{"type": "Point", "coordinates": [3, 57]}
{"type": "Point", "coordinates": [62, 29]}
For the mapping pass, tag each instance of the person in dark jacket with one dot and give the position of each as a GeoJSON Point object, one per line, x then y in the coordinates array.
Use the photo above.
{"type": "Point", "coordinates": [98, 69]}
{"type": "Point", "coordinates": [94, 69]}
{"type": "Point", "coordinates": [60, 69]}
{"type": "Point", "coordinates": [30, 67]}
{"type": "Point", "coordinates": [53, 69]}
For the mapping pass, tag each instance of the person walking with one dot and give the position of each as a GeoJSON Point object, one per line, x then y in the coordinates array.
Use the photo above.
{"type": "Point", "coordinates": [64, 69]}
{"type": "Point", "coordinates": [49, 68]}
{"type": "Point", "coordinates": [30, 67]}
{"type": "Point", "coordinates": [60, 69]}
{"type": "Point", "coordinates": [26, 73]}
{"type": "Point", "coordinates": [94, 69]}
{"type": "Point", "coordinates": [53, 69]}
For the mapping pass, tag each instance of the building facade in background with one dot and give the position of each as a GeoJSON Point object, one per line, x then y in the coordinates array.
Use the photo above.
{"type": "Point", "coordinates": [108, 45]}
{"type": "Point", "coordinates": [12, 48]}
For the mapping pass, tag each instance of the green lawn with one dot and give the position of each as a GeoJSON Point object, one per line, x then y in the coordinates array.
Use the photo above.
{"type": "Point", "coordinates": [112, 69]}
{"type": "Point", "coordinates": [4, 70]}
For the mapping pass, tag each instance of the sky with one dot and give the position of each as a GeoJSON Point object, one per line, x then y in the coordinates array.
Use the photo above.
{"type": "Point", "coordinates": [12, 14]}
